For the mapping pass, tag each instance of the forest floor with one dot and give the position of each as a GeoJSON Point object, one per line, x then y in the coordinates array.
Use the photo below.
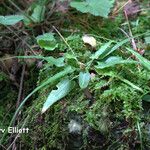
{"type": "Point", "coordinates": [75, 75]}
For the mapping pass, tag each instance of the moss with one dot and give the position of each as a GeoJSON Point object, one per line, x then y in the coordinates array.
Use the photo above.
{"type": "Point", "coordinates": [113, 103]}
{"type": "Point", "coordinates": [7, 106]}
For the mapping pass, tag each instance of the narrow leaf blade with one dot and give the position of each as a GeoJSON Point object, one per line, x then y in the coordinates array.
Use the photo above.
{"type": "Point", "coordinates": [112, 61]}
{"type": "Point", "coordinates": [114, 48]}
{"type": "Point", "coordinates": [100, 53]}
{"type": "Point", "coordinates": [142, 60]}
{"type": "Point", "coordinates": [131, 84]}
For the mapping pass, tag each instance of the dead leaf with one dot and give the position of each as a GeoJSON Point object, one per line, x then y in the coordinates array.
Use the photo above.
{"type": "Point", "coordinates": [132, 8]}
{"type": "Point", "coordinates": [89, 40]}
{"type": "Point", "coordinates": [62, 6]}
{"type": "Point", "coordinates": [88, 94]}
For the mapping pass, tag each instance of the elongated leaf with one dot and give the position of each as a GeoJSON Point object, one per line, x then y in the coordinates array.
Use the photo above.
{"type": "Point", "coordinates": [115, 75]}
{"type": "Point", "coordinates": [131, 84]}
{"type": "Point", "coordinates": [104, 51]}
{"type": "Point", "coordinates": [114, 60]}
{"type": "Point", "coordinates": [47, 41]}
{"type": "Point", "coordinates": [10, 20]}
{"type": "Point", "coordinates": [117, 45]}
{"type": "Point", "coordinates": [95, 7]}
{"type": "Point", "coordinates": [63, 88]}
{"type": "Point", "coordinates": [84, 79]}
{"type": "Point", "coordinates": [100, 84]}
{"type": "Point", "coordinates": [100, 53]}
{"type": "Point", "coordinates": [58, 62]}
{"type": "Point", "coordinates": [109, 51]}
{"type": "Point", "coordinates": [52, 79]}
{"type": "Point", "coordinates": [142, 60]}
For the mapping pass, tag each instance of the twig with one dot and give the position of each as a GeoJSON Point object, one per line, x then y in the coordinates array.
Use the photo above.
{"type": "Point", "coordinates": [21, 86]}
{"type": "Point", "coordinates": [125, 33]}
{"type": "Point", "coordinates": [7, 7]}
{"type": "Point", "coordinates": [18, 133]}
{"type": "Point", "coordinates": [66, 43]}
{"type": "Point", "coordinates": [121, 7]}
{"type": "Point", "coordinates": [21, 39]}
{"type": "Point", "coordinates": [19, 96]}
{"type": "Point", "coordinates": [20, 10]}
{"type": "Point", "coordinates": [13, 142]}
{"type": "Point", "coordinates": [63, 39]}
{"type": "Point", "coordinates": [130, 32]}
{"type": "Point", "coordinates": [2, 146]}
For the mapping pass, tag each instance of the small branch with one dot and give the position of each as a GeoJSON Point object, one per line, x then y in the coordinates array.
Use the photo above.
{"type": "Point", "coordinates": [21, 39]}
{"type": "Point", "coordinates": [121, 7]}
{"type": "Point", "coordinates": [18, 101]}
{"type": "Point", "coordinates": [66, 43]}
{"type": "Point", "coordinates": [18, 134]}
{"type": "Point", "coordinates": [2, 146]}
{"type": "Point", "coordinates": [20, 10]}
{"type": "Point", "coordinates": [21, 86]}
{"type": "Point", "coordinates": [130, 32]}
{"type": "Point", "coordinates": [125, 33]}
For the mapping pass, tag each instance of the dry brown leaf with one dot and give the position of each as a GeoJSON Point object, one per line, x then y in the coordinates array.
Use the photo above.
{"type": "Point", "coordinates": [132, 8]}
{"type": "Point", "coordinates": [62, 6]}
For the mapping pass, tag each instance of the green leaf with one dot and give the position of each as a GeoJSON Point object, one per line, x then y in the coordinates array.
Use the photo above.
{"type": "Point", "coordinates": [100, 84]}
{"type": "Point", "coordinates": [38, 13]}
{"type": "Point", "coordinates": [35, 12]}
{"type": "Point", "coordinates": [84, 79]}
{"type": "Point", "coordinates": [100, 53]}
{"type": "Point", "coordinates": [114, 74]}
{"type": "Point", "coordinates": [147, 40]}
{"type": "Point", "coordinates": [10, 20]}
{"type": "Point", "coordinates": [130, 83]}
{"type": "Point", "coordinates": [52, 79]}
{"type": "Point", "coordinates": [70, 56]}
{"type": "Point", "coordinates": [142, 60]}
{"type": "Point", "coordinates": [114, 60]}
{"type": "Point", "coordinates": [119, 44]}
{"type": "Point", "coordinates": [109, 51]}
{"type": "Point", "coordinates": [146, 98]}
{"type": "Point", "coordinates": [58, 62]}
{"type": "Point", "coordinates": [116, 46]}
{"type": "Point", "coordinates": [63, 88]}
{"type": "Point", "coordinates": [95, 7]}
{"type": "Point", "coordinates": [47, 41]}
{"type": "Point", "coordinates": [3, 76]}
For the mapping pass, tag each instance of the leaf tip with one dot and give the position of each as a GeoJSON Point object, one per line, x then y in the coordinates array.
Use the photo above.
{"type": "Point", "coordinates": [43, 110]}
